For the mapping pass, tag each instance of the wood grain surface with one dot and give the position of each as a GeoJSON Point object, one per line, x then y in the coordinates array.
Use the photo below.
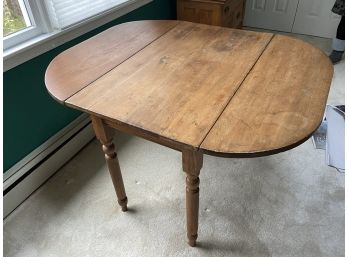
{"type": "Point", "coordinates": [80, 65]}
{"type": "Point", "coordinates": [229, 92]}
{"type": "Point", "coordinates": [177, 86]}
{"type": "Point", "coordinates": [281, 102]}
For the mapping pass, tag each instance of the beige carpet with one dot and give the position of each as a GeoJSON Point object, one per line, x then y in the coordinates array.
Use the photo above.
{"type": "Point", "coordinates": [290, 204]}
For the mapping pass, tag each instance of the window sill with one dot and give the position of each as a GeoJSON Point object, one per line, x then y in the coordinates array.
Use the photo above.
{"type": "Point", "coordinates": [23, 52]}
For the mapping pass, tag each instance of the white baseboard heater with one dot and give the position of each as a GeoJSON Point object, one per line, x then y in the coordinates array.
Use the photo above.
{"type": "Point", "coordinates": [22, 179]}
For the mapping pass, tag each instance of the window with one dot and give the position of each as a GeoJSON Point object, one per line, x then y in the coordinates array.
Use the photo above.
{"type": "Point", "coordinates": [22, 21]}
{"type": "Point", "coordinates": [15, 16]}
{"type": "Point", "coordinates": [26, 19]}
{"type": "Point", "coordinates": [64, 13]}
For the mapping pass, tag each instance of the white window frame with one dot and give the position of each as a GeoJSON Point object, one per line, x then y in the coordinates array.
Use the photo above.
{"type": "Point", "coordinates": [28, 43]}
{"type": "Point", "coordinates": [38, 19]}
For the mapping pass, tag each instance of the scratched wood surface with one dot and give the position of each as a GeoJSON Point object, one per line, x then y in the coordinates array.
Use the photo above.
{"type": "Point", "coordinates": [280, 103]}
{"type": "Point", "coordinates": [80, 65]}
{"type": "Point", "coordinates": [229, 92]}
{"type": "Point", "coordinates": [177, 86]}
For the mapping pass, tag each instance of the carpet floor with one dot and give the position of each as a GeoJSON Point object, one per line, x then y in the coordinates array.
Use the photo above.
{"type": "Point", "coordinates": [289, 204]}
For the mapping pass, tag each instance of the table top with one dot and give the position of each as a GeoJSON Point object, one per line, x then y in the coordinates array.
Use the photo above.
{"type": "Point", "coordinates": [229, 92]}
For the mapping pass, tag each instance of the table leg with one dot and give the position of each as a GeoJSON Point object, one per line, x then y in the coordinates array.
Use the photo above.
{"type": "Point", "coordinates": [104, 134]}
{"type": "Point", "coordinates": [192, 162]}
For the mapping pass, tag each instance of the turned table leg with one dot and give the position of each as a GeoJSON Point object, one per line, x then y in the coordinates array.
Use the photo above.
{"type": "Point", "coordinates": [104, 134]}
{"type": "Point", "coordinates": [192, 162]}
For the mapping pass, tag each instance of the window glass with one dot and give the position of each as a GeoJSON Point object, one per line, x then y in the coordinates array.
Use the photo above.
{"type": "Point", "coordinates": [15, 16]}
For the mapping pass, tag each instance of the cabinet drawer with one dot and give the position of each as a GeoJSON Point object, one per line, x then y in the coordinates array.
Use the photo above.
{"type": "Point", "coordinates": [200, 12]}
{"type": "Point", "coordinates": [227, 13]}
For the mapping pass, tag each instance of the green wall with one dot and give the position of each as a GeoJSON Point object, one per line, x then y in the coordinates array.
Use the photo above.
{"type": "Point", "coordinates": [31, 116]}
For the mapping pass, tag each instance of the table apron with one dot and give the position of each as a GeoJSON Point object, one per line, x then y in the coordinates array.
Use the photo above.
{"type": "Point", "coordinates": [131, 130]}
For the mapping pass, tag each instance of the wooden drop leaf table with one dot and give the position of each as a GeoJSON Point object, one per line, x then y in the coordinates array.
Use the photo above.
{"type": "Point", "coordinates": [196, 88]}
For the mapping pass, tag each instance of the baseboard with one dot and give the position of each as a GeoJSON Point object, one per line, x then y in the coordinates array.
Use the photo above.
{"type": "Point", "coordinates": [21, 180]}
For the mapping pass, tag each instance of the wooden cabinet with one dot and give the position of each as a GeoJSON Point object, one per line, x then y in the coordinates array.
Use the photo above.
{"type": "Point", "coordinates": [226, 13]}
